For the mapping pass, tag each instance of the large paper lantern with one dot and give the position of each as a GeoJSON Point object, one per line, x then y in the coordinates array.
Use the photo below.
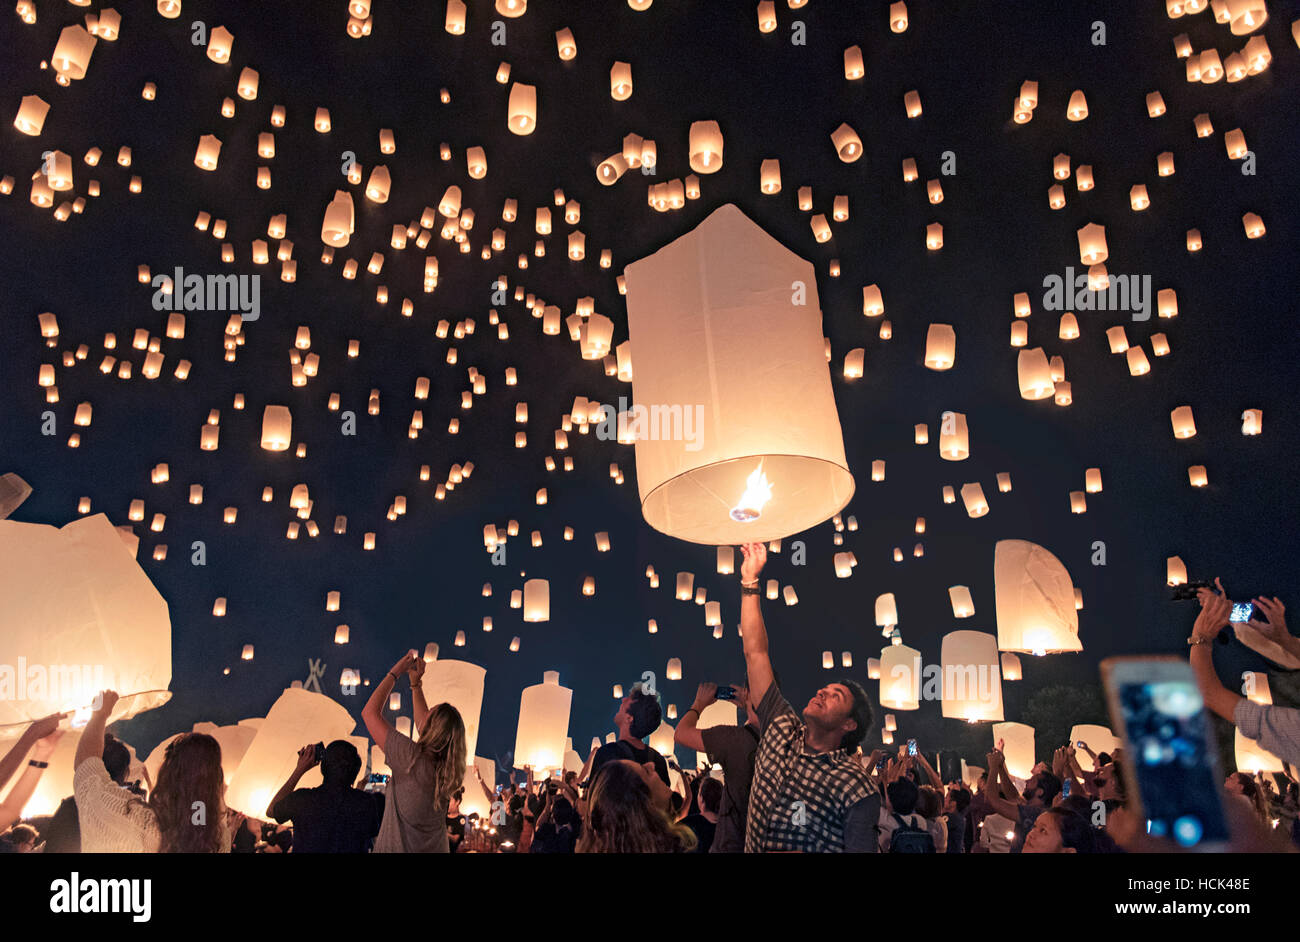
{"type": "Point", "coordinates": [767, 455]}
{"type": "Point", "coordinates": [972, 676]}
{"type": "Point", "coordinates": [705, 148]}
{"type": "Point", "coordinates": [1035, 600]}
{"type": "Point", "coordinates": [900, 677]}
{"type": "Point", "coordinates": [55, 783]}
{"type": "Point", "coordinates": [718, 713]}
{"type": "Point", "coordinates": [298, 716]}
{"type": "Point", "coordinates": [1017, 747]}
{"type": "Point", "coordinates": [79, 616]}
{"type": "Point", "coordinates": [661, 740]}
{"type": "Point", "coordinates": [940, 347]}
{"type": "Point", "coordinates": [1099, 739]}
{"type": "Point", "coordinates": [234, 741]}
{"type": "Point", "coordinates": [31, 115]}
{"type": "Point", "coordinates": [460, 684]}
{"type": "Point", "coordinates": [13, 491]}
{"type": "Point", "coordinates": [543, 724]}
{"type": "Point", "coordinates": [72, 52]}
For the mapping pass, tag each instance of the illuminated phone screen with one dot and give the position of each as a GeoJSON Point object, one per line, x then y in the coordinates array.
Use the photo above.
{"type": "Point", "coordinates": [1166, 726]}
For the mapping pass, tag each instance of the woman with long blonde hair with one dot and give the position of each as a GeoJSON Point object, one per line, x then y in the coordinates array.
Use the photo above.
{"type": "Point", "coordinates": [627, 813]}
{"type": "Point", "coordinates": [425, 772]}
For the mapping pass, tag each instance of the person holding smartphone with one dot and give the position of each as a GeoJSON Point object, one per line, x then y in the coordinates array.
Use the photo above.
{"type": "Point", "coordinates": [1275, 728]}
{"type": "Point", "coordinates": [334, 817]}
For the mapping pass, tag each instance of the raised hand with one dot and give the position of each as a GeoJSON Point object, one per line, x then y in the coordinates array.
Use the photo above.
{"type": "Point", "coordinates": [754, 556]}
{"type": "Point", "coordinates": [1273, 627]}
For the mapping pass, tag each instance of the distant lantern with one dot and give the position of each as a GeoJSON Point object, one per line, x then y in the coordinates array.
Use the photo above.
{"type": "Point", "coordinates": [522, 109]}
{"type": "Point", "coordinates": [1252, 421]}
{"type": "Point", "coordinates": [620, 82]}
{"type": "Point", "coordinates": [674, 670]}
{"type": "Point", "coordinates": [1197, 476]}
{"type": "Point", "coordinates": [1083, 178]}
{"type": "Point", "coordinates": [934, 236]}
{"type": "Point", "coordinates": [537, 600]}
{"type": "Point", "coordinates": [1245, 16]}
{"type": "Point", "coordinates": [873, 304]}
{"type": "Point", "coordinates": [565, 44]}
{"type": "Point", "coordinates": [940, 347]}
{"type": "Point", "coordinates": [1116, 338]}
{"type": "Point", "coordinates": [972, 495]}
{"type": "Point", "coordinates": [1092, 244]}
{"type": "Point", "coordinates": [921, 434]}
{"type": "Point", "coordinates": [1155, 105]}
{"type": "Point", "coordinates": [454, 22]}
{"type": "Point", "coordinates": [31, 115]}
{"type": "Point", "coordinates": [1011, 669]}
{"type": "Point", "coordinates": [886, 610]}
{"type": "Point", "coordinates": [912, 104]}
{"type": "Point", "coordinates": [1184, 425]}
{"type": "Point", "coordinates": [898, 17]}
{"type": "Point", "coordinates": [853, 66]}
{"type": "Point", "coordinates": [705, 147]}
{"type": "Point", "coordinates": [277, 428]}
{"type": "Point", "coordinates": [847, 143]}
{"type": "Point", "coordinates": [1092, 480]}
{"type": "Point", "coordinates": [954, 437]}
{"type": "Point", "coordinates": [1061, 166]}
{"type": "Point", "coordinates": [1138, 365]}
{"type": "Point", "coordinates": [1004, 482]}
{"type": "Point", "coordinates": [1078, 503]}
{"type": "Point", "coordinates": [1166, 303]}
{"type": "Point", "coordinates": [784, 477]}
{"type": "Point", "coordinates": [962, 605]}
{"type": "Point", "coordinates": [1254, 226]}
{"type": "Point", "coordinates": [853, 363]}
{"type": "Point", "coordinates": [770, 177]}
{"type": "Point", "coordinates": [1138, 198]}
{"type": "Point", "coordinates": [1077, 109]}
{"type": "Point", "coordinates": [247, 86]}
{"type": "Point", "coordinates": [1175, 571]}
{"type": "Point", "coordinates": [1194, 240]}
{"type": "Point", "coordinates": [1034, 374]}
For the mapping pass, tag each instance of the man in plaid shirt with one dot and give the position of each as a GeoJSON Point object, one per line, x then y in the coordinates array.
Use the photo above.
{"type": "Point", "coordinates": [810, 793]}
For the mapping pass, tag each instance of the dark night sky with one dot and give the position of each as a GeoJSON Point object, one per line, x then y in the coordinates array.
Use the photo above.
{"type": "Point", "coordinates": [1233, 344]}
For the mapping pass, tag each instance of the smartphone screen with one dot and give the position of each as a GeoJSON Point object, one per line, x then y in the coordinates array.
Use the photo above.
{"type": "Point", "coordinates": [1241, 611]}
{"type": "Point", "coordinates": [1065, 788]}
{"type": "Point", "coordinates": [911, 747]}
{"type": "Point", "coordinates": [1166, 727]}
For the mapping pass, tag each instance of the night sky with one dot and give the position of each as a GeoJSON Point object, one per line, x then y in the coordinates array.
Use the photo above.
{"type": "Point", "coordinates": [1233, 343]}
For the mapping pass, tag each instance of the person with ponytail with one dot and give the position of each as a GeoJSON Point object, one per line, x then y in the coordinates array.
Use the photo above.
{"type": "Point", "coordinates": [426, 770]}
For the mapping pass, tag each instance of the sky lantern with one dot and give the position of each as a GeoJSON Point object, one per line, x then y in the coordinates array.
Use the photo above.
{"type": "Point", "coordinates": [1182, 421]}
{"type": "Point", "coordinates": [972, 676]}
{"type": "Point", "coordinates": [1245, 16]}
{"type": "Point", "coordinates": [1035, 600]}
{"type": "Point", "coordinates": [1077, 109]}
{"type": "Point", "coordinates": [1011, 669]}
{"type": "Point", "coordinates": [886, 610]}
{"type": "Point", "coordinates": [847, 143]}
{"type": "Point", "coordinates": [954, 438]}
{"type": "Point", "coordinates": [940, 347]}
{"type": "Point", "coordinates": [705, 147]}
{"type": "Point", "coordinates": [31, 115]}
{"type": "Point", "coordinates": [521, 109]}
{"type": "Point", "coordinates": [1092, 244]}
{"type": "Point", "coordinates": [1017, 747]}
{"type": "Point", "coordinates": [899, 673]}
{"type": "Point", "coordinates": [853, 65]}
{"type": "Point", "coordinates": [459, 683]}
{"type": "Point", "coordinates": [1034, 373]}
{"type": "Point", "coordinates": [1175, 571]}
{"type": "Point", "coordinates": [785, 471]}
{"type": "Point", "coordinates": [565, 45]}
{"type": "Point", "coordinates": [972, 496]}
{"type": "Point", "coordinates": [70, 595]}
{"type": "Point", "coordinates": [620, 81]}
{"type": "Point", "coordinates": [454, 22]}
{"type": "Point", "coordinates": [298, 716]}
{"type": "Point", "coordinates": [1252, 421]}
{"type": "Point", "coordinates": [543, 724]}
{"type": "Point", "coordinates": [277, 428]}
{"type": "Point", "coordinates": [898, 17]}
{"type": "Point", "coordinates": [962, 604]}
{"type": "Point", "coordinates": [72, 53]}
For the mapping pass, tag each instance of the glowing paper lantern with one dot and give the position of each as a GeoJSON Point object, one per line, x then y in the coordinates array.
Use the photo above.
{"type": "Point", "coordinates": [459, 683]}
{"type": "Point", "coordinates": [1017, 748]}
{"type": "Point", "coordinates": [543, 724]}
{"type": "Point", "coordinates": [686, 292]}
{"type": "Point", "coordinates": [972, 678]}
{"type": "Point", "coordinates": [522, 109]}
{"type": "Point", "coordinates": [1011, 666]}
{"type": "Point", "coordinates": [899, 672]}
{"type": "Point", "coordinates": [31, 115]}
{"type": "Point", "coordinates": [277, 428]}
{"type": "Point", "coordinates": [972, 496]}
{"type": "Point", "coordinates": [298, 716]}
{"type": "Point", "coordinates": [73, 596]}
{"type": "Point", "coordinates": [1181, 419]}
{"type": "Point", "coordinates": [72, 53]}
{"type": "Point", "coordinates": [847, 143]}
{"type": "Point", "coordinates": [962, 604]}
{"type": "Point", "coordinates": [1035, 600]}
{"type": "Point", "coordinates": [1034, 374]}
{"type": "Point", "coordinates": [705, 146]}
{"type": "Point", "coordinates": [940, 347]}
{"type": "Point", "coordinates": [954, 437]}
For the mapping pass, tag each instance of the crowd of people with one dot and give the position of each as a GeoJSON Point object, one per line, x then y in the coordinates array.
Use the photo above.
{"type": "Point", "coordinates": [784, 781]}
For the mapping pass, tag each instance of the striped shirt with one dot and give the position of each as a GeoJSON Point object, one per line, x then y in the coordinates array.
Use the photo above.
{"type": "Point", "coordinates": [801, 800]}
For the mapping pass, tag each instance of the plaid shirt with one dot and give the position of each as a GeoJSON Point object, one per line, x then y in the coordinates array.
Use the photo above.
{"type": "Point", "coordinates": [827, 784]}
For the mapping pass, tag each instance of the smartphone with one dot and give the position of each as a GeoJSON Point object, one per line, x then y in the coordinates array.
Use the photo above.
{"type": "Point", "coordinates": [911, 747]}
{"type": "Point", "coordinates": [1242, 611]}
{"type": "Point", "coordinates": [377, 782]}
{"type": "Point", "coordinates": [726, 693]}
{"type": "Point", "coordinates": [1169, 752]}
{"type": "Point", "coordinates": [1065, 788]}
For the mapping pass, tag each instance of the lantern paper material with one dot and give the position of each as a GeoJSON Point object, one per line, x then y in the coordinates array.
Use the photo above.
{"type": "Point", "coordinates": [1099, 739]}
{"type": "Point", "coordinates": [298, 716]}
{"type": "Point", "coordinates": [1035, 600]}
{"type": "Point", "coordinates": [972, 676]}
{"type": "Point", "coordinates": [459, 683]}
{"type": "Point", "coordinates": [1017, 747]}
{"type": "Point", "coordinates": [687, 306]}
{"type": "Point", "coordinates": [543, 724]}
{"type": "Point", "coordinates": [900, 677]}
{"type": "Point", "coordinates": [79, 610]}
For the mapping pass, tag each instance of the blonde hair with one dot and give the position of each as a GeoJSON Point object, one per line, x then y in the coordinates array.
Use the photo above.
{"type": "Point", "coordinates": [443, 741]}
{"type": "Point", "coordinates": [623, 819]}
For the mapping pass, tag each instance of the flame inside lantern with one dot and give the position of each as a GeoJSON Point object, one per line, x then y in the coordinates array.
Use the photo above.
{"type": "Point", "coordinates": [758, 491]}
